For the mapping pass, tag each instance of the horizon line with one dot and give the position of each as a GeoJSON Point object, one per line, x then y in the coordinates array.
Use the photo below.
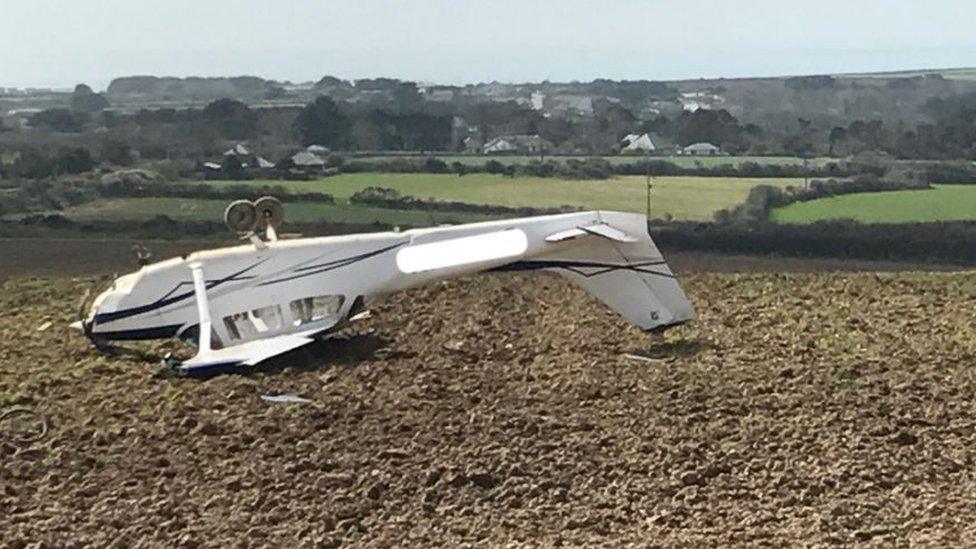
{"type": "Point", "coordinates": [848, 74]}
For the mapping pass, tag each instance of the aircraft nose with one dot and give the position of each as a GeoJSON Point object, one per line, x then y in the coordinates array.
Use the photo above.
{"type": "Point", "coordinates": [106, 302]}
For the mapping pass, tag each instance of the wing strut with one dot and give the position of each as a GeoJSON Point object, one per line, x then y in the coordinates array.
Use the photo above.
{"type": "Point", "coordinates": [203, 307]}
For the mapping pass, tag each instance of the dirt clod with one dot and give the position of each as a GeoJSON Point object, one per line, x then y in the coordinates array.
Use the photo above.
{"type": "Point", "coordinates": [905, 438]}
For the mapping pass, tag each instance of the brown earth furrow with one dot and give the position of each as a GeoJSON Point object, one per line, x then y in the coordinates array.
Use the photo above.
{"type": "Point", "coordinates": [502, 410]}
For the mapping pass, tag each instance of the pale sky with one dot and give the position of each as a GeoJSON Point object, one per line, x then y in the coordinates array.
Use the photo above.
{"type": "Point", "coordinates": [63, 42]}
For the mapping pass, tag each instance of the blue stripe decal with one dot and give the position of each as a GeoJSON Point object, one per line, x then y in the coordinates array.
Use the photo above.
{"type": "Point", "coordinates": [577, 266]}
{"type": "Point", "coordinates": [310, 270]}
{"type": "Point", "coordinates": [166, 300]}
{"type": "Point", "coordinates": [157, 332]}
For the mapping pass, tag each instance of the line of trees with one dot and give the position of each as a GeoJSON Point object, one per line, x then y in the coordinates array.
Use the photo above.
{"type": "Point", "coordinates": [946, 242]}
{"type": "Point", "coordinates": [44, 195]}
{"type": "Point", "coordinates": [383, 197]}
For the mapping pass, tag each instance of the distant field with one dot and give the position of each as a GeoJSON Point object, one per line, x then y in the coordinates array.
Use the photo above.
{"type": "Point", "coordinates": [950, 74]}
{"type": "Point", "coordinates": [213, 210]}
{"type": "Point", "coordinates": [943, 203]}
{"type": "Point", "coordinates": [683, 161]}
{"type": "Point", "coordinates": [693, 198]}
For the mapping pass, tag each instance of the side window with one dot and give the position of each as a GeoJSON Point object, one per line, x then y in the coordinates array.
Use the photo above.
{"type": "Point", "coordinates": [252, 323]}
{"type": "Point", "coordinates": [311, 309]}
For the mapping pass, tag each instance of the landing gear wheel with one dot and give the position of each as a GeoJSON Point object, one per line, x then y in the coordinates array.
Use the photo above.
{"type": "Point", "coordinates": [270, 212]}
{"type": "Point", "coordinates": [241, 216]}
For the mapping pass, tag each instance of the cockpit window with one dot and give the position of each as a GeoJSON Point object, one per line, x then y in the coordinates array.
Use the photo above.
{"type": "Point", "coordinates": [250, 324]}
{"type": "Point", "coordinates": [312, 309]}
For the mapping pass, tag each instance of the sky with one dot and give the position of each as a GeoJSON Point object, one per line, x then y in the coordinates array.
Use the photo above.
{"type": "Point", "coordinates": [58, 43]}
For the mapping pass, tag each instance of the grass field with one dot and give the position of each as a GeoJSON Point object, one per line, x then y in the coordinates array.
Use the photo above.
{"type": "Point", "coordinates": [943, 203]}
{"type": "Point", "coordinates": [693, 198]}
{"type": "Point", "coordinates": [683, 161]}
{"type": "Point", "coordinates": [213, 210]}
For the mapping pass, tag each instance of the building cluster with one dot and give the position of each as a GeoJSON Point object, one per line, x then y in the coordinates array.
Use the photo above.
{"type": "Point", "coordinates": [240, 161]}
{"type": "Point", "coordinates": [631, 144]}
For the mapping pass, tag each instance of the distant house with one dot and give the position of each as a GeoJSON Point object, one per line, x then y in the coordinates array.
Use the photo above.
{"type": "Point", "coordinates": [521, 144]}
{"type": "Point", "coordinates": [499, 145]}
{"type": "Point", "coordinates": [566, 105]}
{"type": "Point", "coordinates": [441, 94]}
{"type": "Point", "coordinates": [241, 153]}
{"type": "Point", "coordinates": [537, 100]}
{"type": "Point", "coordinates": [701, 149]}
{"type": "Point", "coordinates": [318, 150]}
{"type": "Point", "coordinates": [239, 159]}
{"type": "Point", "coordinates": [473, 144]}
{"type": "Point", "coordinates": [212, 170]}
{"type": "Point", "coordinates": [694, 101]}
{"type": "Point", "coordinates": [307, 162]}
{"type": "Point", "coordinates": [637, 144]}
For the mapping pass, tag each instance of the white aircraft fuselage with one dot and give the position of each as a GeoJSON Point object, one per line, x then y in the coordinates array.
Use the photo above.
{"type": "Point", "coordinates": [290, 290]}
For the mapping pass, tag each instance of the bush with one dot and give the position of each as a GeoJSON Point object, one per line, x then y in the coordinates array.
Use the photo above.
{"type": "Point", "coordinates": [114, 186]}
{"type": "Point", "coordinates": [383, 197]}
{"type": "Point", "coordinates": [947, 242]}
{"type": "Point", "coordinates": [591, 168]}
{"type": "Point", "coordinates": [435, 165]}
{"type": "Point", "coordinates": [494, 167]}
{"type": "Point", "coordinates": [32, 164]}
{"type": "Point", "coordinates": [77, 160]}
{"type": "Point", "coordinates": [951, 173]}
{"type": "Point", "coordinates": [744, 169]}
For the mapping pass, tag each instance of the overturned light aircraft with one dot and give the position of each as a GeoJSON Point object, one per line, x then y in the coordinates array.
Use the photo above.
{"type": "Point", "coordinates": [244, 304]}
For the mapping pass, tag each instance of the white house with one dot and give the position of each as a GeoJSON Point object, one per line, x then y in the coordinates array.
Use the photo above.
{"type": "Point", "coordinates": [701, 149]}
{"type": "Point", "coordinates": [307, 162]}
{"type": "Point", "coordinates": [499, 145]}
{"type": "Point", "coordinates": [634, 143]}
{"type": "Point", "coordinates": [525, 144]}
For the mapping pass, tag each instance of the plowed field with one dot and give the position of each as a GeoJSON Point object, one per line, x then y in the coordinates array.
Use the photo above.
{"type": "Point", "coordinates": [503, 410]}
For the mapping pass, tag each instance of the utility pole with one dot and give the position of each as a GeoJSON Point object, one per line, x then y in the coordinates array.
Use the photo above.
{"type": "Point", "coordinates": [647, 164]}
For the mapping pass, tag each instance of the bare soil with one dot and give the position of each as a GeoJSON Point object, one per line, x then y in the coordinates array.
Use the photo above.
{"type": "Point", "coordinates": [503, 410]}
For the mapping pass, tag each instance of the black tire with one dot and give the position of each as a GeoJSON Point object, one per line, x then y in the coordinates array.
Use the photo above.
{"type": "Point", "coordinates": [241, 216]}
{"type": "Point", "coordinates": [270, 212]}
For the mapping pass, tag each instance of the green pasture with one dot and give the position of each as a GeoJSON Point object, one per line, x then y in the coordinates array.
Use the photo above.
{"type": "Point", "coordinates": [942, 203]}
{"type": "Point", "coordinates": [691, 198]}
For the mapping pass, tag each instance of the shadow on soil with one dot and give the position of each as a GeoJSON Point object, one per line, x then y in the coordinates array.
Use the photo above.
{"type": "Point", "coordinates": [322, 354]}
{"type": "Point", "coordinates": [685, 348]}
